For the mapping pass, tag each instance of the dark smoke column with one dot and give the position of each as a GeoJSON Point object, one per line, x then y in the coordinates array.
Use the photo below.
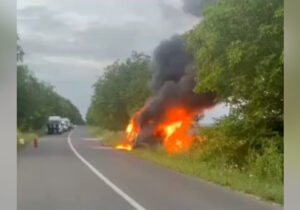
{"type": "Point", "coordinates": [172, 85]}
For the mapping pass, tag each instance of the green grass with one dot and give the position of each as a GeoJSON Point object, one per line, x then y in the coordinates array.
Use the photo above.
{"type": "Point", "coordinates": [215, 171]}
{"type": "Point", "coordinates": [220, 160]}
{"type": "Point", "coordinates": [27, 136]}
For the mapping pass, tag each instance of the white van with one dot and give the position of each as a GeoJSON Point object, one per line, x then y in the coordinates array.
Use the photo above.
{"type": "Point", "coordinates": [66, 124]}
{"type": "Point", "coordinates": [55, 125]}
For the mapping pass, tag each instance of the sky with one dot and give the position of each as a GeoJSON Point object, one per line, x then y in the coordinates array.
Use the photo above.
{"type": "Point", "coordinates": [69, 42]}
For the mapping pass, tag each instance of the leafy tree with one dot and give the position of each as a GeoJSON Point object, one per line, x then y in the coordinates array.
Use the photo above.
{"type": "Point", "coordinates": [36, 101]}
{"type": "Point", "coordinates": [238, 48]}
{"type": "Point", "coordinates": [120, 92]}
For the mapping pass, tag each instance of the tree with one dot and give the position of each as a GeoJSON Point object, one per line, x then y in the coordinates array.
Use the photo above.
{"type": "Point", "coordinates": [36, 101]}
{"type": "Point", "coordinates": [120, 92]}
{"type": "Point", "coordinates": [238, 48]}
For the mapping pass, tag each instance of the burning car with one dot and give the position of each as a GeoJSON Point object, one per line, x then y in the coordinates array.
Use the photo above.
{"type": "Point", "coordinates": [168, 115]}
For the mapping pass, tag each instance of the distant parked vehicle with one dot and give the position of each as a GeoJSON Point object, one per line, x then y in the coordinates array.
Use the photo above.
{"type": "Point", "coordinates": [55, 125]}
{"type": "Point", "coordinates": [66, 124]}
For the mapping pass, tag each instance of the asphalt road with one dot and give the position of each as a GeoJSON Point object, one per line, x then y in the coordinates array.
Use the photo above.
{"type": "Point", "coordinates": [73, 171]}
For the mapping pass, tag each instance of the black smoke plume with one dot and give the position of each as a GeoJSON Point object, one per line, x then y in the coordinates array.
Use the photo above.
{"type": "Point", "coordinates": [172, 85]}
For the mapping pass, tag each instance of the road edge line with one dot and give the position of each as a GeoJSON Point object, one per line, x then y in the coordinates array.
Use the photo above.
{"type": "Point", "coordinates": [126, 197]}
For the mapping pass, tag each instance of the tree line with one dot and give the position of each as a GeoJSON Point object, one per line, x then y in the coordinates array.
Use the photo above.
{"type": "Point", "coordinates": [238, 48]}
{"type": "Point", "coordinates": [37, 100]}
{"type": "Point", "coordinates": [120, 92]}
{"type": "Point", "coordinates": [238, 52]}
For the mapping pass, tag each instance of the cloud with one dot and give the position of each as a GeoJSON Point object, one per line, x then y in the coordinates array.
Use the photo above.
{"type": "Point", "coordinates": [41, 20]}
{"type": "Point", "coordinates": [71, 78]}
{"type": "Point", "coordinates": [50, 35]}
{"type": "Point", "coordinates": [196, 7]}
{"type": "Point", "coordinates": [68, 43]}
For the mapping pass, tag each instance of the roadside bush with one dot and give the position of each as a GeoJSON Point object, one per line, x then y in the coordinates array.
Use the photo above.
{"type": "Point", "coordinates": [268, 165]}
{"type": "Point", "coordinates": [218, 159]}
{"type": "Point", "coordinates": [215, 145]}
{"type": "Point", "coordinates": [264, 162]}
{"type": "Point", "coordinates": [26, 136]}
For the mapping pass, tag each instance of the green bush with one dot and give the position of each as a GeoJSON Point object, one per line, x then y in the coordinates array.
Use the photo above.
{"type": "Point", "coordinates": [26, 136]}
{"type": "Point", "coordinates": [120, 92]}
{"type": "Point", "coordinates": [218, 157]}
{"type": "Point", "coordinates": [268, 165]}
{"type": "Point", "coordinates": [216, 160]}
{"type": "Point", "coordinates": [264, 161]}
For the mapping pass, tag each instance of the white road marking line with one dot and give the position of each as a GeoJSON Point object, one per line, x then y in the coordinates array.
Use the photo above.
{"type": "Point", "coordinates": [104, 179]}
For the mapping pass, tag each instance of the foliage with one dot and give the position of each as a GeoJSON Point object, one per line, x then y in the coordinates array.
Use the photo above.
{"type": "Point", "coordinates": [238, 52]}
{"type": "Point", "coordinates": [238, 49]}
{"type": "Point", "coordinates": [120, 92]}
{"type": "Point", "coordinates": [267, 161]}
{"type": "Point", "coordinates": [36, 101]}
{"type": "Point", "coordinates": [217, 160]}
{"type": "Point", "coordinates": [27, 137]}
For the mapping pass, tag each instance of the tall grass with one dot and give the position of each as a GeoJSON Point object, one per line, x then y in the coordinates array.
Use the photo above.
{"type": "Point", "coordinates": [27, 137]}
{"type": "Point", "coordinates": [221, 159]}
{"type": "Point", "coordinates": [260, 175]}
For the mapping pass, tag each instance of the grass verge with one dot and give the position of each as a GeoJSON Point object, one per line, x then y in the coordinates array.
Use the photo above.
{"type": "Point", "coordinates": [110, 138]}
{"type": "Point", "coordinates": [234, 178]}
{"type": "Point", "coordinates": [217, 160]}
{"type": "Point", "coordinates": [27, 138]}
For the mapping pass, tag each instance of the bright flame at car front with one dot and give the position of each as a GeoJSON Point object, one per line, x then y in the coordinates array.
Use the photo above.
{"type": "Point", "coordinates": [173, 130]}
{"type": "Point", "coordinates": [124, 146]}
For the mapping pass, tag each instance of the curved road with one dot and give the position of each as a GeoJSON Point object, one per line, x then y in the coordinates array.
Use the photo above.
{"type": "Point", "coordinates": [73, 171]}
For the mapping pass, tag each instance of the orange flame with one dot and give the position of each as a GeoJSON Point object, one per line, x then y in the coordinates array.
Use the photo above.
{"type": "Point", "coordinates": [132, 131]}
{"type": "Point", "coordinates": [170, 129]}
{"type": "Point", "coordinates": [174, 130]}
{"type": "Point", "coordinates": [124, 146]}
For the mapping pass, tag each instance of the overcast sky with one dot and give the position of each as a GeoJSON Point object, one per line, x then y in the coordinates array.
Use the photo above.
{"type": "Point", "coordinates": [69, 42]}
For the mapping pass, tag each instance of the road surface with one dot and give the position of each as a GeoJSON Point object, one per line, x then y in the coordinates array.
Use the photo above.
{"type": "Point", "coordinates": [73, 171]}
